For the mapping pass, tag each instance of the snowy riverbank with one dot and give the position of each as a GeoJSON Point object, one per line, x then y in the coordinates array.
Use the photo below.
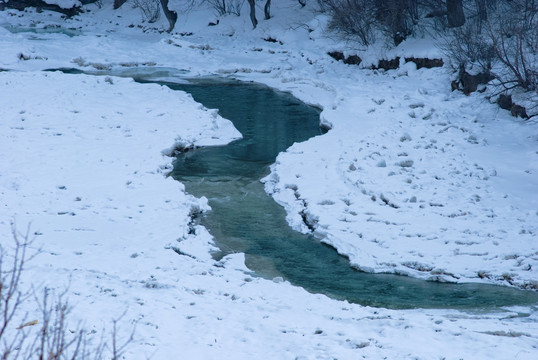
{"type": "Point", "coordinates": [411, 179]}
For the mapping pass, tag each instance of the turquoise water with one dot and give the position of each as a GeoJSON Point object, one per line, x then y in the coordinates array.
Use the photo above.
{"type": "Point", "coordinates": [245, 219]}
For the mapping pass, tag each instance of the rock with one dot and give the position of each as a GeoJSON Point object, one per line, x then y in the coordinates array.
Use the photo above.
{"type": "Point", "coordinates": [505, 101]}
{"type": "Point", "coordinates": [425, 62]}
{"type": "Point", "coordinates": [350, 60]}
{"type": "Point", "coordinates": [470, 82]}
{"type": "Point", "coordinates": [336, 55]}
{"type": "Point", "coordinates": [518, 110]}
{"type": "Point", "coordinates": [406, 163]}
{"type": "Point", "coordinates": [387, 64]}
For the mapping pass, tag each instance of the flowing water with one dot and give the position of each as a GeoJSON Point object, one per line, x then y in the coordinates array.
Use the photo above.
{"type": "Point", "coordinates": [245, 219]}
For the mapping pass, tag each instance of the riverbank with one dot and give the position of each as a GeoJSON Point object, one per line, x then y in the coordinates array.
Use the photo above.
{"type": "Point", "coordinates": [85, 168]}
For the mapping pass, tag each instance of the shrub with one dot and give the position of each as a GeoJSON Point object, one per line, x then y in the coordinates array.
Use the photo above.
{"type": "Point", "coordinates": [352, 18]}
{"type": "Point", "coordinates": [49, 337]}
{"type": "Point", "coordinates": [223, 7]}
{"type": "Point", "coordinates": [150, 9]}
{"type": "Point", "coordinates": [501, 37]}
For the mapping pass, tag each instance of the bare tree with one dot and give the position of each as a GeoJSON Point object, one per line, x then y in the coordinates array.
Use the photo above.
{"type": "Point", "coordinates": [513, 31]}
{"type": "Point", "coordinates": [119, 3]}
{"type": "Point", "coordinates": [252, 4]}
{"type": "Point", "coordinates": [47, 338]}
{"type": "Point", "coordinates": [397, 18]}
{"type": "Point", "coordinates": [454, 13]}
{"type": "Point", "coordinates": [267, 9]}
{"type": "Point", "coordinates": [469, 45]}
{"type": "Point", "coordinates": [223, 7]}
{"type": "Point", "coordinates": [150, 9]}
{"type": "Point", "coordinates": [352, 18]}
{"type": "Point", "coordinates": [171, 16]}
{"type": "Point", "coordinates": [11, 296]}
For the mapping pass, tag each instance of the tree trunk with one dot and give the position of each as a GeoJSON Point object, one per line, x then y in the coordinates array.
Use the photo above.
{"type": "Point", "coordinates": [171, 16]}
{"type": "Point", "coordinates": [267, 9]}
{"type": "Point", "coordinates": [454, 13]}
{"type": "Point", "coordinates": [118, 3]}
{"type": "Point", "coordinates": [482, 9]}
{"type": "Point", "coordinates": [252, 4]}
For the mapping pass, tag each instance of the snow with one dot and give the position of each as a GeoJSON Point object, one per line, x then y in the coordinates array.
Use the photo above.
{"type": "Point", "coordinates": [412, 179]}
{"type": "Point", "coordinates": [64, 4]}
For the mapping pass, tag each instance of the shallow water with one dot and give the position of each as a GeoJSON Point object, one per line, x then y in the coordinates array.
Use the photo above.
{"type": "Point", "coordinates": [245, 219]}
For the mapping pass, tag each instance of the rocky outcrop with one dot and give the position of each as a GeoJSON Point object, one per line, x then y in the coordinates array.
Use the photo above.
{"type": "Point", "coordinates": [505, 102]}
{"type": "Point", "coordinates": [387, 64]}
{"type": "Point", "coordinates": [350, 60]}
{"type": "Point", "coordinates": [468, 83]}
{"type": "Point", "coordinates": [425, 62]}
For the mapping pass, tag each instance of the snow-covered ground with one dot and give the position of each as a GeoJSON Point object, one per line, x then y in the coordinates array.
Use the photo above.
{"type": "Point", "coordinates": [411, 179]}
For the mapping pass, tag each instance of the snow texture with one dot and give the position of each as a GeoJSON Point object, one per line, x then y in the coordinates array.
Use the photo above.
{"type": "Point", "coordinates": [412, 179]}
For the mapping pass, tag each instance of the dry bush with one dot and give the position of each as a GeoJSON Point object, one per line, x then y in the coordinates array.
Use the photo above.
{"type": "Point", "coordinates": [513, 31]}
{"type": "Point", "coordinates": [352, 18]}
{"type": "Point", "coordinates": [469, 45]}
{"type": "Point", "coordinates": [50, 337]}
{"type": "Point", "coordinates": [223, 7]}
{"type": "Point", "coordinates": [150, 9]}
{"type": "Point", "coordinates": [501, 38]}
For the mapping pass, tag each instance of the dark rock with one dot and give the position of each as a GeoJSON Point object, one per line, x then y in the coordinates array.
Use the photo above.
{"type": "Point", "coordinates": [352, 60]}
{"type": "Point", "coordinates": [336, 55]}
{"type": "Point", "coordinates": [270, 39]}
{"type": "Point", "coordinates": [518, 110]}
{"type": "Point", "coordinates": [505, 101]}
{"type": "Point", "coordinates": [118, 3]}
{"type": "Point", "coordinates": [388, 64]}
{"type": "Point", "coordinates": [425, 62]}
{"type": "Point", "coordinates": [469, 83]}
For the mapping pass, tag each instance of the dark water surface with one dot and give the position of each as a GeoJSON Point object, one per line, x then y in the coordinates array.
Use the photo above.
{"type": "Point", "coordinates": [245, 219]}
